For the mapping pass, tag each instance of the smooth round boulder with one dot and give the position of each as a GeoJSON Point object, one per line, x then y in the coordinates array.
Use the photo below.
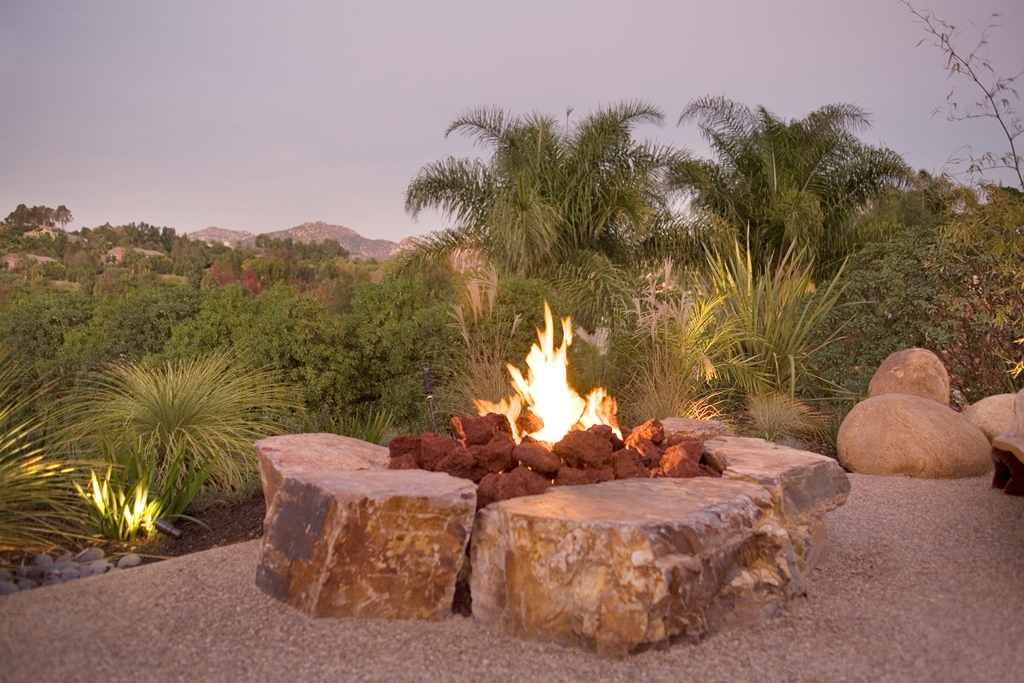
{"type": "Point", "coordinates": [917, 372]}
{"type": "Point", "coordinates": [895, 434]}
{"type": "Point", "coordinates": [991, 414]}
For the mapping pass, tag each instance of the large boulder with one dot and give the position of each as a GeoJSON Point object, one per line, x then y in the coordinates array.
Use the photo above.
{"type": "Point", "coordinates": [902, 434]}
{"type": "Point", "coordinates": [632, 563]}
{"type": "Point", "coordinates": [1008, 452]}
{"type": "Point", "coordinates": [377, 544]}
{"type": "Point", "coordinates": [301, 454]}
{"type": "Point", "coordinates": [992, 414]}
{"type": "Point", "coordinates": [917, 372]}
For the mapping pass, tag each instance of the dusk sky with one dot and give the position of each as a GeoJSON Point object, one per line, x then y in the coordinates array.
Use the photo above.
{"type": "Point", "coordinates": [259, 116]}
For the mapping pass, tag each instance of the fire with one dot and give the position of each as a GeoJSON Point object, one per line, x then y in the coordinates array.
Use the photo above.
{"type": "Point", "coordinates": [546, 393]}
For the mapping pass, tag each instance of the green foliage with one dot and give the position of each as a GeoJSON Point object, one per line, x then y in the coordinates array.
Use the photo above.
{"type": "Point", "coordinates": [579, 205]}
{"type": "Point", "coordinates": [370, 424]}
{"type": "Point", "coordinates": [778, 315]}
{"type": "Point", "coordinates": [396, 326]}
{"type": "Point", "coordinates": [779, 418]}
{"type": "Point", "coordinates": [794, 186]}
{"type": "Point", "coordinates": [119, 511]}
{"type": "Point", "coordinates": [37, 505]}
{"type": "Point", "coordinates": [170, 427]}
{"type": "Point", "coordinates": [280, 329]}
{"type": "Point", "coordinates": [129, 326]}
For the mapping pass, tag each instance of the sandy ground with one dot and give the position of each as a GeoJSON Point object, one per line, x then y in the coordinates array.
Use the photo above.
{"type": "Point", "coordinates": [924, 582]}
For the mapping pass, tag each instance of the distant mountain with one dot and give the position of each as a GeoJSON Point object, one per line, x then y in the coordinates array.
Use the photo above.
{"type": "Point", "coordinates": [229, 238]}
{"type": "Point", "coordinates": [357, 245]}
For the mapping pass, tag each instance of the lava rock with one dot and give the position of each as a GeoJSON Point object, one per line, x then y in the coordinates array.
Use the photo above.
{"type": "Point", "coordinates": [600, 474]}
{"type": "Point", "coordinates": [677, 463]}
{"type": "Point", "coordinates": [579, 449]}
{"type": "Point", "coordinates": [461, 463]}
{"type": "Point", "coordinates": [472, 431]}
{"type": "Point", "coordinates": [503, 486]}
{"type": "Point", "coordinates": [498, 422]}
{"type": "Point", "coordinates": [433, 449]}
{"type": "Point", "coordinates": [404, 462]}
{"type": "Point", "coordinates": [606, 432]}
{"type": "Point", "coordinates": [692, 448]}
{"type": "Point", "coordinates": [537, 458]}
{"type": "Point", "coordinates": [628, 463]}
{"type": "Point", "coordinates": [402, 446]}
{"type": "Point", "coordinates": [570, 476]}
{"type": "Point", "coordinates": [650, 453]}
{"type": "Point", "coordinates": [652, 430]}
{"type": "Point", "coordinates": [496, 455]}
{"type": "Point", "coordinates": [529, 422]}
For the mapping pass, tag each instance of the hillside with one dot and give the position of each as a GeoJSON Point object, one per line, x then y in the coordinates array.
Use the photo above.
{"type": "Point", "coordinates": [357, 245]}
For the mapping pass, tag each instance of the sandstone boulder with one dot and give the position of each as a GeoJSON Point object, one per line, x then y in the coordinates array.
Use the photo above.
{"type": "Point", "coordinates": [299, 454]}
{"type": "Point", "coordinates": [377, 544]}
{"type": "Point", "coordinates": [701, 430]}
{"type": "Point", "coordinates": [903, 434]}
{"type": "Point", "coordinates": [917, 372]}
{"type": "Point", "coordinates": [991, 414]}
{"type": "Point", "coordinates": [1008, 452]}
{"type": "Point", "coordinates": [630, 563]}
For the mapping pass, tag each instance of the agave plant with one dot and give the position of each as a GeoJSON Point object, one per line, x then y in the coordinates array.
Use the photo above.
{"type": "Point", "coordinates": [180, 423]}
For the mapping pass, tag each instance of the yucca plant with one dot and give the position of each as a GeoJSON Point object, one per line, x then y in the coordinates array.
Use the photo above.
{"type": "Point", "coordinates": [182, 422]}
{"type": "Point", "coordinates": [778, 315]}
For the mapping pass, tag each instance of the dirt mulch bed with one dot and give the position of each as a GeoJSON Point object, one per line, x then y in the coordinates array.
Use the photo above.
{"type": "Point", "coordinates": [228, 523]}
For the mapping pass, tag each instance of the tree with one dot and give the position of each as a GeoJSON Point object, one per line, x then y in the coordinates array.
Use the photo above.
{"type": "Point", "coordinates": [799, 184]}
{"type": "Point", "coordinates": [576, 205]}
{"type": "Point", "coordinates": [63, 216]}
{"type": "Point", "coordinates": [995, 102]}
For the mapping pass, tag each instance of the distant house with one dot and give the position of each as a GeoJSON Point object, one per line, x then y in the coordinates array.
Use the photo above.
{"type": "Point", "coordinates": [45, 232]}
{"type": "Point", "coordinates": [11, 260]}
{"type": "Point", "coordinates": [117, 254]}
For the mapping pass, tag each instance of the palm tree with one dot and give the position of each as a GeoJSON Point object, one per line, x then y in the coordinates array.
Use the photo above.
{"type": "Point", "coordinates": [578, 205]}
{"type": "Point", "coordinates": [802, 184]}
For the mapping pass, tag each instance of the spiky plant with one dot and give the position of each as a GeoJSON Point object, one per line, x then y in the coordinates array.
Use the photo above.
{"type": "Point", "coordinates": [777, 417]}
{"type": "Point", "coordinates": [374, 425]}
{"type": "Point", "coordinates": [38, 506]}
{"type": "Point", "coordinates": [180, 420]}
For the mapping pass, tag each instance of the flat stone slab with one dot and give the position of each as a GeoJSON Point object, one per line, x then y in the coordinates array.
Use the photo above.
{"type": "Point", "coordinates": [701, 430]}
{"type": "Point", "coordinates": [622, 565]}
{"type": "Point", "coordinates": [376, 544]}
{"type": "Point", "coordinates": [801, 483]}
{"type": "Point", "coordinates": [307, 454]}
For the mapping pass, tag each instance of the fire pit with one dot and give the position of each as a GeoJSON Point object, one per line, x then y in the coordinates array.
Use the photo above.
{"type": "Point", "coordinates": [585, 533]}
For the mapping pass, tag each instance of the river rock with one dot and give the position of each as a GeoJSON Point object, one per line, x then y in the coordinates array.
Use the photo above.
{"type": "Point", "coordinates": [917, 372]}
{"type": "Point", "coordinates": [896, 434]}
{"type": "Point", "coordinates": [379, 544]}
{"type": "Point", "coordinates": [991, 414]}
{"type": "Point", "coordinates": [299, 454]}
{"type": "Point", "coordinates": [631, 563]}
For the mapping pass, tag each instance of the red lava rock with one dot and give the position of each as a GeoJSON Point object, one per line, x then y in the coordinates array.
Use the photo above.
{"type": "Point", "coordinates": [693, 449]}
{"type": "Point", "coordinates": [405, 445]}
{"type": "Point", "coordinates": [498, 422]}
{"type": "Point", "coordinates": [606, 432]}
{"type": "Point", "coordinates": [461, 463]}
{"type": "Point", "coordinates": [577, 449]}
{"type": "Point", "coordinates": [570, 476]}
{"type": "Point", "coordinates": [529, 422]}
{"type": "Point", "coordinates": [403, 462]}
{"type": "Point", "coordinates": [537, 458]}
{"type": "Point", "coordinates": [433, 449]}
{"type": "Point", "coordinates": [652, 430]}
{"type": "Point", "coordinates": [472, 431]}
{"type": "Point", "coordinates": [519, 482]}
{"type": "Point", "coordinates": [676, 463]}
{"type": "Point", "coordinates": [628, 464]}
{"type": "Point", "coordinates": [650, 453]}
{"type": "Point", "coordinates": [707, 471]}
{"type": "Point", "coordinates": [600, 474]}
{"type": "Point", "coordinates": [496, 455]}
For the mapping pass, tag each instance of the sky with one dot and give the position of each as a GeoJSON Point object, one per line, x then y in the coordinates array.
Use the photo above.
{"type": "Point", "coordinates": [260, 116]}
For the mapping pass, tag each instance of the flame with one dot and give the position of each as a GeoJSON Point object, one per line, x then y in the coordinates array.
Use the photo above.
{"type": "Point", "coordinates": [545, 391]}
